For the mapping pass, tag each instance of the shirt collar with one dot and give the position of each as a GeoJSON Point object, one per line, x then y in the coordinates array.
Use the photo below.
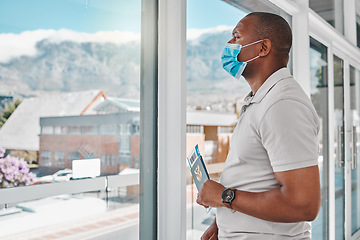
{"type": "Point", "coordinates": [274, 78]}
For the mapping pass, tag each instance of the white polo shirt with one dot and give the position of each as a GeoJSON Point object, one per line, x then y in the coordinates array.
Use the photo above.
{"type": "Point", "coordinates": [277, 131]}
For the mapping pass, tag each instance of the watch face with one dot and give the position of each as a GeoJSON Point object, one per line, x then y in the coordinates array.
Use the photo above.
{"type": "Point", "coordinates": [228, 195]}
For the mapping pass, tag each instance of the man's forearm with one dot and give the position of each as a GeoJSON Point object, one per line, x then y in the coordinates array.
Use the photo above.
{"type": "Point", "coordinates": [274, 205]}
{"type": "Point", "coordinates": [298, 197]}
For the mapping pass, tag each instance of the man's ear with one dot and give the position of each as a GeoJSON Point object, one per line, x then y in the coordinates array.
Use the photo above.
{"type": "Point", "coordinates": [265, 47]}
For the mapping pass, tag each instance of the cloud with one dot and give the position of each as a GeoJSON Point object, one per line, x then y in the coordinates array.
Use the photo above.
{"type": "Point", "coordinates": [195, 34]}
{"type": "Point", "coordinates": [24, 44]}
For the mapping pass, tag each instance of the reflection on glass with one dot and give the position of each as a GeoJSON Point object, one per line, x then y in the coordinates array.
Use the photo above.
{"type": "Point", "coordinates": [331, 11]}
{"type": "Point", "coordinates": [70, 84]}
{"type": "Point", "coordinates": [355, 146]}
{"type": "Point", "coordinates": [211, 92]}
{"type": "Point", "coordinates": [209, 96]}
{"type": "Point", "coordinates": [339, 146]}
{"type": "Point", "coordinates": [69, 106]}
{"type": "Point", "coordinates": [319, 97]}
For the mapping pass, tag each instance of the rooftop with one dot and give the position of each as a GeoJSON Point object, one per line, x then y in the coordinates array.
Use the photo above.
{"type": "Point", "coordinates": [207, 118]}
{"type": "Point", "coordinates": [21, 131]}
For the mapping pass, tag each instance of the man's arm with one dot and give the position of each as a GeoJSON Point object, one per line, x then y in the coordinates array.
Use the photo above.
{"type": "Point", "coordinates": [297, 199]}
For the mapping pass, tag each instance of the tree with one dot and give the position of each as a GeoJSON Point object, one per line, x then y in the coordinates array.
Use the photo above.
{"type": "Point", "coordinates": [8, 110]}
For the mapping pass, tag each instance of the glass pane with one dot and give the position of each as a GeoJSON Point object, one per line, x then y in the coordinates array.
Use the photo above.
{"type": "Point", "coordinates": [355, 172]}
{"type": "Point", "coordinates": [212, 106]}
{"type": "Point", "coordinates": [331, 11]}
{"type": "Point", "coordinates": [339, 146]}
{"type": "Point", "coordinates": [70, 79]}
{"type": "Point", "coordinates": [319, 97]}
{"type": "Point", "coordinates": [208, 97]}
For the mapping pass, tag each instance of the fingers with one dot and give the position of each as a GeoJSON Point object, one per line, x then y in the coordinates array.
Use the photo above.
{"type": "Point", "coordinates": [199, 201]}
{"type": "Point", "coordinates": [210, 236]}
{"type": "Point", "coordinates": [213, 237]}
{"type": "Point", "coordinates": [205, 236]}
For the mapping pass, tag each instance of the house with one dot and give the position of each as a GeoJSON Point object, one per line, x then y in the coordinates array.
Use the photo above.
{"type": "Point", "coordinates": [212, 132]}
{"type": "Point", "coordinates": [113, 135]}
{"type": "Point", "coordinates": [21, 131]}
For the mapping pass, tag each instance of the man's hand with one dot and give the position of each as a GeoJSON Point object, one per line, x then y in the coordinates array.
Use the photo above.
{"type": "Point", "coordinates": [211, 233]}
{"type": "Point", "coordinates": [210, 194]}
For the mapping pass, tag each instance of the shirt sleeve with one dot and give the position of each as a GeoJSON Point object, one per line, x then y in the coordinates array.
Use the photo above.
{"type": "Point", "coordinates": [289, 133]}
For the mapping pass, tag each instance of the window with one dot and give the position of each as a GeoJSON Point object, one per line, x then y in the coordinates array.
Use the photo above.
{"type": "Point", "coordinates": [194, 129]}
{"type": "Point", "coordinates": [331, 11]}
{"type": "Point", "coordinates": [211, 92]}
{"type": "Point", "coordinates": [339, 146]}
{"type": "Point", "coordinates": [74, 156]}
{"type": "Point", "coordinates": [319, 97]}
{"type": "Point", "coordinates": [355, 171]}
{"type": "Point", "coordinates": [60, 130]}
{"type": "Point", "coordinates": [225, 129]}
{"type": "Point", "coordinates": [108, 129]}
{"type": "Point", "coordinates": [112, 161]}
{"type": "Point", "coordinates": [108, 160]}
{"type": "Point", "coordinates": [74, 130]}
{"type": "Point", "coordinates": [45, 159]}
{"type": "Point", "coordinates": [124, 131]}
{"type": "Point", "coordinates": [59, 159]}
{"type": "Point", "coordinates": [63, 59]}
{"type": "Point", "coordinates": [89, 155]}
{"type": "Point", "coordinates": [103, 159]}
{"type": "Point", "coordinates": [88, 130]}
{"type": "Point", "coordinates": [47, 130]}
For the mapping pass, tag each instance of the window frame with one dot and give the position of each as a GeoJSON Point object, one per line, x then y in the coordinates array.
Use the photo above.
{"type": "Point", "coordinates": [148, 177]}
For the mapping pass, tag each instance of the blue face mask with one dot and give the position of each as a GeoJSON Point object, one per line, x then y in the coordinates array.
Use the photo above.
{"type": "Point", "coordinates": [230, 61]}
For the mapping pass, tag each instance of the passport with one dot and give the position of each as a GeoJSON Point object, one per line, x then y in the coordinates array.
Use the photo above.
{"type": "Point", "coordinates": [197, 167]}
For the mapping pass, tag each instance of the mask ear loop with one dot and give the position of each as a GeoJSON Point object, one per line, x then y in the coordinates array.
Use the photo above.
{"type": "Point", "coordinates": [249, 45]}
{"type": "Point", "coordinates": [252, 43]}
{"type": "Point", "coordinates": [252, 59]}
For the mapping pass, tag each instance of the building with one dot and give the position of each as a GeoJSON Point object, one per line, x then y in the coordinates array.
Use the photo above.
{"type": "Point", "coordinates": [21, 131]}
{"type": "Point", "coordinates": [212, 132]}
{"type": "Point", "coordinates": [113, 136]}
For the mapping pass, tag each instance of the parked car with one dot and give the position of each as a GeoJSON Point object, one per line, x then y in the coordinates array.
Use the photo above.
{"type": "Point", "coordinates": [60, 176]}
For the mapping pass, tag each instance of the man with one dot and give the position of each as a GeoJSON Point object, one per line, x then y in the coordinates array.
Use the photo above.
{"type": "Point", "coordinates": [270, 187]}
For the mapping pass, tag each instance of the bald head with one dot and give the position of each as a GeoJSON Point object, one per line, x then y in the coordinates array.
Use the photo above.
{"type": "Point", "coordinates": [274, 28]}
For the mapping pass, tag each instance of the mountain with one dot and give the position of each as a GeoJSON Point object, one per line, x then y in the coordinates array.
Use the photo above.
{"type": "Point", "coordinates": [71, 66]}
{"type": "Point", "coordinates": [68, 65]}
{"type": "Point", "coordinates": [208, 84]}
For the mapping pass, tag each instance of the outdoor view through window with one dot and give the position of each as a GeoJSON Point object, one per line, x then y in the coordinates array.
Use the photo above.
{"type": "Point", "coordinates": [69, 118]}
{"type": "Point", "coordinates": [213, 97]}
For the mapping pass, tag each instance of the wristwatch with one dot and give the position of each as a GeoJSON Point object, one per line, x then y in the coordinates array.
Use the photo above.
{"type": "Point", "coordinates": [228, 196]}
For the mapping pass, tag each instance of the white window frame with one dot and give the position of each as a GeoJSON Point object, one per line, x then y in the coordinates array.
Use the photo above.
{"type": "Point", "coordinates": [172, 47]}
{"type": "Point", "coordinates": [172, 120]}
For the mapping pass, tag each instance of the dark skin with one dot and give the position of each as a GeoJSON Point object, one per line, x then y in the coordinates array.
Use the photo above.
{"type": "Point", "coordinates": [298, 197]}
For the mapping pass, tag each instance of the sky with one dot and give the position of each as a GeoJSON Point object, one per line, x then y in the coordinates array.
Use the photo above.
{"type": "Point", "coordinates": [23, 23]}
{"type": "Point", "coordinates": [91, 16]}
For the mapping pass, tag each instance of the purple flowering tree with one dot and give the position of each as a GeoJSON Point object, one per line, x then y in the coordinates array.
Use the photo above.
{"type": "Point", "coordinates": [14, 171]}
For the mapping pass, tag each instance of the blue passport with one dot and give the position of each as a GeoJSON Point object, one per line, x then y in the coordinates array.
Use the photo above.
{"type": "Point", "coordinates": [197, 167]}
